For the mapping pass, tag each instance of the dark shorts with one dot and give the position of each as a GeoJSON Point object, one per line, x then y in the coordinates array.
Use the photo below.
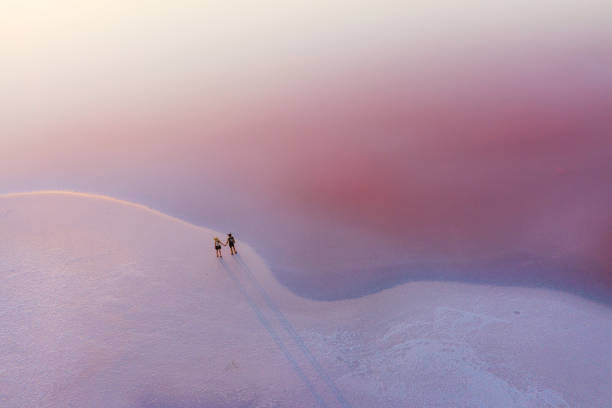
{"type": "Point", "coordinates": [231, 244]}
{"type": "Point", "coordinates": [217, 247]}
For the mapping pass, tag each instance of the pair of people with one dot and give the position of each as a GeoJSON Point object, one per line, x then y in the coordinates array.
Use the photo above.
{"type": "Point", "coordinates": [231, 241]}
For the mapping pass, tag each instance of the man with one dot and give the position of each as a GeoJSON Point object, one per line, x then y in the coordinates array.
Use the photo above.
{"type": "Point", "coordinates": [231, 242]}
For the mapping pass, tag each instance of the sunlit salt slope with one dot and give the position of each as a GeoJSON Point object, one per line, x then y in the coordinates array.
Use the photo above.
{"type": "Point", "coordinates": [105, 303]}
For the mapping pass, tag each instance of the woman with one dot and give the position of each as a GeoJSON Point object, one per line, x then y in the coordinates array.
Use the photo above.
{"type": "Point", "coordinates": [218, 244]}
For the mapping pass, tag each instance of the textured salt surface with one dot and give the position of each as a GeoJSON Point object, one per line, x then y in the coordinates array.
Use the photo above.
{"type": "Point", "coordinates": [105, 303]}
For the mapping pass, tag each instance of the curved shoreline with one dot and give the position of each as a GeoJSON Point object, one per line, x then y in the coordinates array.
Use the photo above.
{"type": "Point", "coordinates": [97, 196]}
{"type": "Point", "coordinates": [599, 297]}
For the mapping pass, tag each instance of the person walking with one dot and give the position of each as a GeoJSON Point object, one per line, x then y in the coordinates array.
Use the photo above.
{"type": "Point", "coordinates": [218, 244]}
{"type": "Point", "coordinates": [231, 241]}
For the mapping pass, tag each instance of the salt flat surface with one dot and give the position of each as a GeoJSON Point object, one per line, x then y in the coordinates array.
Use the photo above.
{"type": "Point", "coordinates": [105, 303]}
